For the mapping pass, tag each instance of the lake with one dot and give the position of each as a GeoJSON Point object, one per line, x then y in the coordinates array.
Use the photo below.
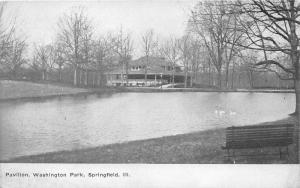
{"type": "Point", "coordinates": [66, 123]}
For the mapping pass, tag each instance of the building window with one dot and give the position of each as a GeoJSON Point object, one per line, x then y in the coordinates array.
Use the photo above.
{"type": "Point", "coordinates": [135, 68]}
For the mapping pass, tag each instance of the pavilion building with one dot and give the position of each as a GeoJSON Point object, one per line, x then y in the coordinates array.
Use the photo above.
{"type": "Point", "coordinates": [142, 72]}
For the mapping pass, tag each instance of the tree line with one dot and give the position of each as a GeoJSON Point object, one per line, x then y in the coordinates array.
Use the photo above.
{"type": "Point", "coordinates": [222, 39]}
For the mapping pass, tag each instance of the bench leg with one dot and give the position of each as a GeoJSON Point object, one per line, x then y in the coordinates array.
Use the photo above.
{"type": "Point", "coordinates": [228, 155]}
{"type": "Point", "coordinates": [287, 153]}
{"type": "Point", "coordinates": [280, 154]}
{"type": "Point", "coordinates": [233, 157]}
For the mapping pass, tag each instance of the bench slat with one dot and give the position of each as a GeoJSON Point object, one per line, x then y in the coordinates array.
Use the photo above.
{"type": "Point", "coordinates": [262, 129]}
{"type": "Point", "coordinates": [260, 133]}
{"type": "Point", "coordinates": [260, 126]}
{"type": "Point", "coordinates": [261, 139]}
{"type": "Point", "coordinates": [258, 136]}
{"type": "Point", "coordinates": [241, 145]}
{"type": "Point", "coordinates": [259, 130]}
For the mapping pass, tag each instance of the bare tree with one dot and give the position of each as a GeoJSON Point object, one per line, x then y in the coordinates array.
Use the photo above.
{"type": "Point", "coordinates": [44, 59]}
{"type": "Point", "coordinates": [233, 40]}
{"type": "Point", "coordinates": [7, 36]}
{"type": "Point", "coordinates": [248, 59]}
{"type": "Point", "coordinates": [215, 23]}
{"type": "Point", "coordinates": [102, 52]}
{"type": "Point", "coordinates": [87, 40]}
{"type": "Point", "coordinates": [170, 50]}
{"type": "Point", "coordinates": [148, 44]}
{"type": "Point", "coordinates": [207, 20]}
{"type": "Point", "coordinates": [72, 29]}
{"type": "Point", "coordinates": [197, 53]}
{"type": "Point", "coordinates": [4, 42]}
{"type": "Point", "coordinates": [59, 59]}
{"type": "Point", "coordinates": [273, 26]}
{"type": "Point", "coordinates": [15, 58]}
{"type": "Point", "coordinates": [12, 47]}
{"type": "Point", "coordinates": [186, 56]}
{"type": "Point", "coordinates": [123, 47]}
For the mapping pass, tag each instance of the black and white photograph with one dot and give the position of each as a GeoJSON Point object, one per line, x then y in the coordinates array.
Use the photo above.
{"type": "Point", "coordinates": [150, 82]}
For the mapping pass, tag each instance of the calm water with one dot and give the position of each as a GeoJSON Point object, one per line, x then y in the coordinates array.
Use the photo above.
{"type": "Point", "coordinates": [79, 122]}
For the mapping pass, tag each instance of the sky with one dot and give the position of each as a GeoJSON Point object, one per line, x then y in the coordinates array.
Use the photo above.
{"type": "Point", "coordinates": [37, 20]}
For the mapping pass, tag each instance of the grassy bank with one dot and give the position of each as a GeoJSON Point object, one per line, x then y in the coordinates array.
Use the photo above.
{"type": "Point", "coordinates": [21, 89]}
{"type": "Point", "coordinates": [157, 89]}
{"type": "Point", "coordinates": [10, 90]}
{"type": "Point", "coordinates": [199, 147]}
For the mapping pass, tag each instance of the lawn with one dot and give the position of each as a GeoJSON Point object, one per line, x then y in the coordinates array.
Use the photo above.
{"type": "Point", "coordinates": [21, 89]}
{"type": "Point", "coordinates": [194, 148]}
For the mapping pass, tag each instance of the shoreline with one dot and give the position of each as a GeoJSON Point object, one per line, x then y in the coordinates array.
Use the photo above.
{"type": "Point", "coordinates": [59, 91]}
{"type": "Point", "coordinates": [53, 96]}
{"type": "Point", "coordinates": [150, 90]}
{"type": "Point", "coordinates": [26, 91]}
{"type": "Point", "coordinates": [201, 147]}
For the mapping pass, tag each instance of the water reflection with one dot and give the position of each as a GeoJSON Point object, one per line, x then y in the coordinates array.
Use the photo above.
{"type": "Point", "coordinates": [64, 123]}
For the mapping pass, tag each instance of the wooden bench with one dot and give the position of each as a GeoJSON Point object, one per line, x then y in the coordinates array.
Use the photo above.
{"type": "Point", "coordinates": [258, 136]}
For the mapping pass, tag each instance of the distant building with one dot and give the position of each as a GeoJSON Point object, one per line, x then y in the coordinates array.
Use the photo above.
{"type": "Point", "coordinates": [159, 71]}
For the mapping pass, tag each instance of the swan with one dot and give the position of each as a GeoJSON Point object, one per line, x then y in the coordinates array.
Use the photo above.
{"type": "Point", "coordinates": [232, 113]}
{"type": "Point", "coordinates": [219, 112]}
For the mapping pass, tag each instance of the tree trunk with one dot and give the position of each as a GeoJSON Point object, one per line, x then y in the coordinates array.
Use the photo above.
{"type": "Point", "coordinates": [297, 113]}
{"type": "Point", "coordinates": [59, 74]}
{"type": "Point", "coordinates": [93, 79]}
{"type": "Point", "coordinates": [191, 79]}
{"type": "Point", "coordinates": [99, 79]}
{"type": "Point", "coordinates": [196, 76]}
{"type": "Point", "coordinates": [232, 77]}
{"type": "Point", "coordinates": [185, 78]}
{"type": "Point", "coordinates": [252, 82]}
{"type": "Point", "coordinates": [145, 79]}
{"type": "Point", "coordinates": [122, 75]}
{"type": "Point", "coordinates": [80, 77]}
{"type": "Point", "coordinates": [75, 76]}
{"type": "Point", "coordinates": [44, 75]}
{"type": "Point", "coordinates": [127, 66]}
{"type": "Point", "coordinates": [219, 79]}
{"type": "Point", "coordinates": [86, 77]}
{"type": "Point", "coordinates": [250, 77]}
{"type": "Point", "coordinates": [295, 55]}
{"type": "Point", "coordinates": [102, 79]}
{"type": "Point", "coordinates": [297, 91]}
{"type": "Point", "coordinates": [173, 78]}
{"type": "Point", "coordinates": [209, 73]}
{"type": "Point", "coordinates": [227, 75]}
{"type": "Point", "coordinates": [14, 73]}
